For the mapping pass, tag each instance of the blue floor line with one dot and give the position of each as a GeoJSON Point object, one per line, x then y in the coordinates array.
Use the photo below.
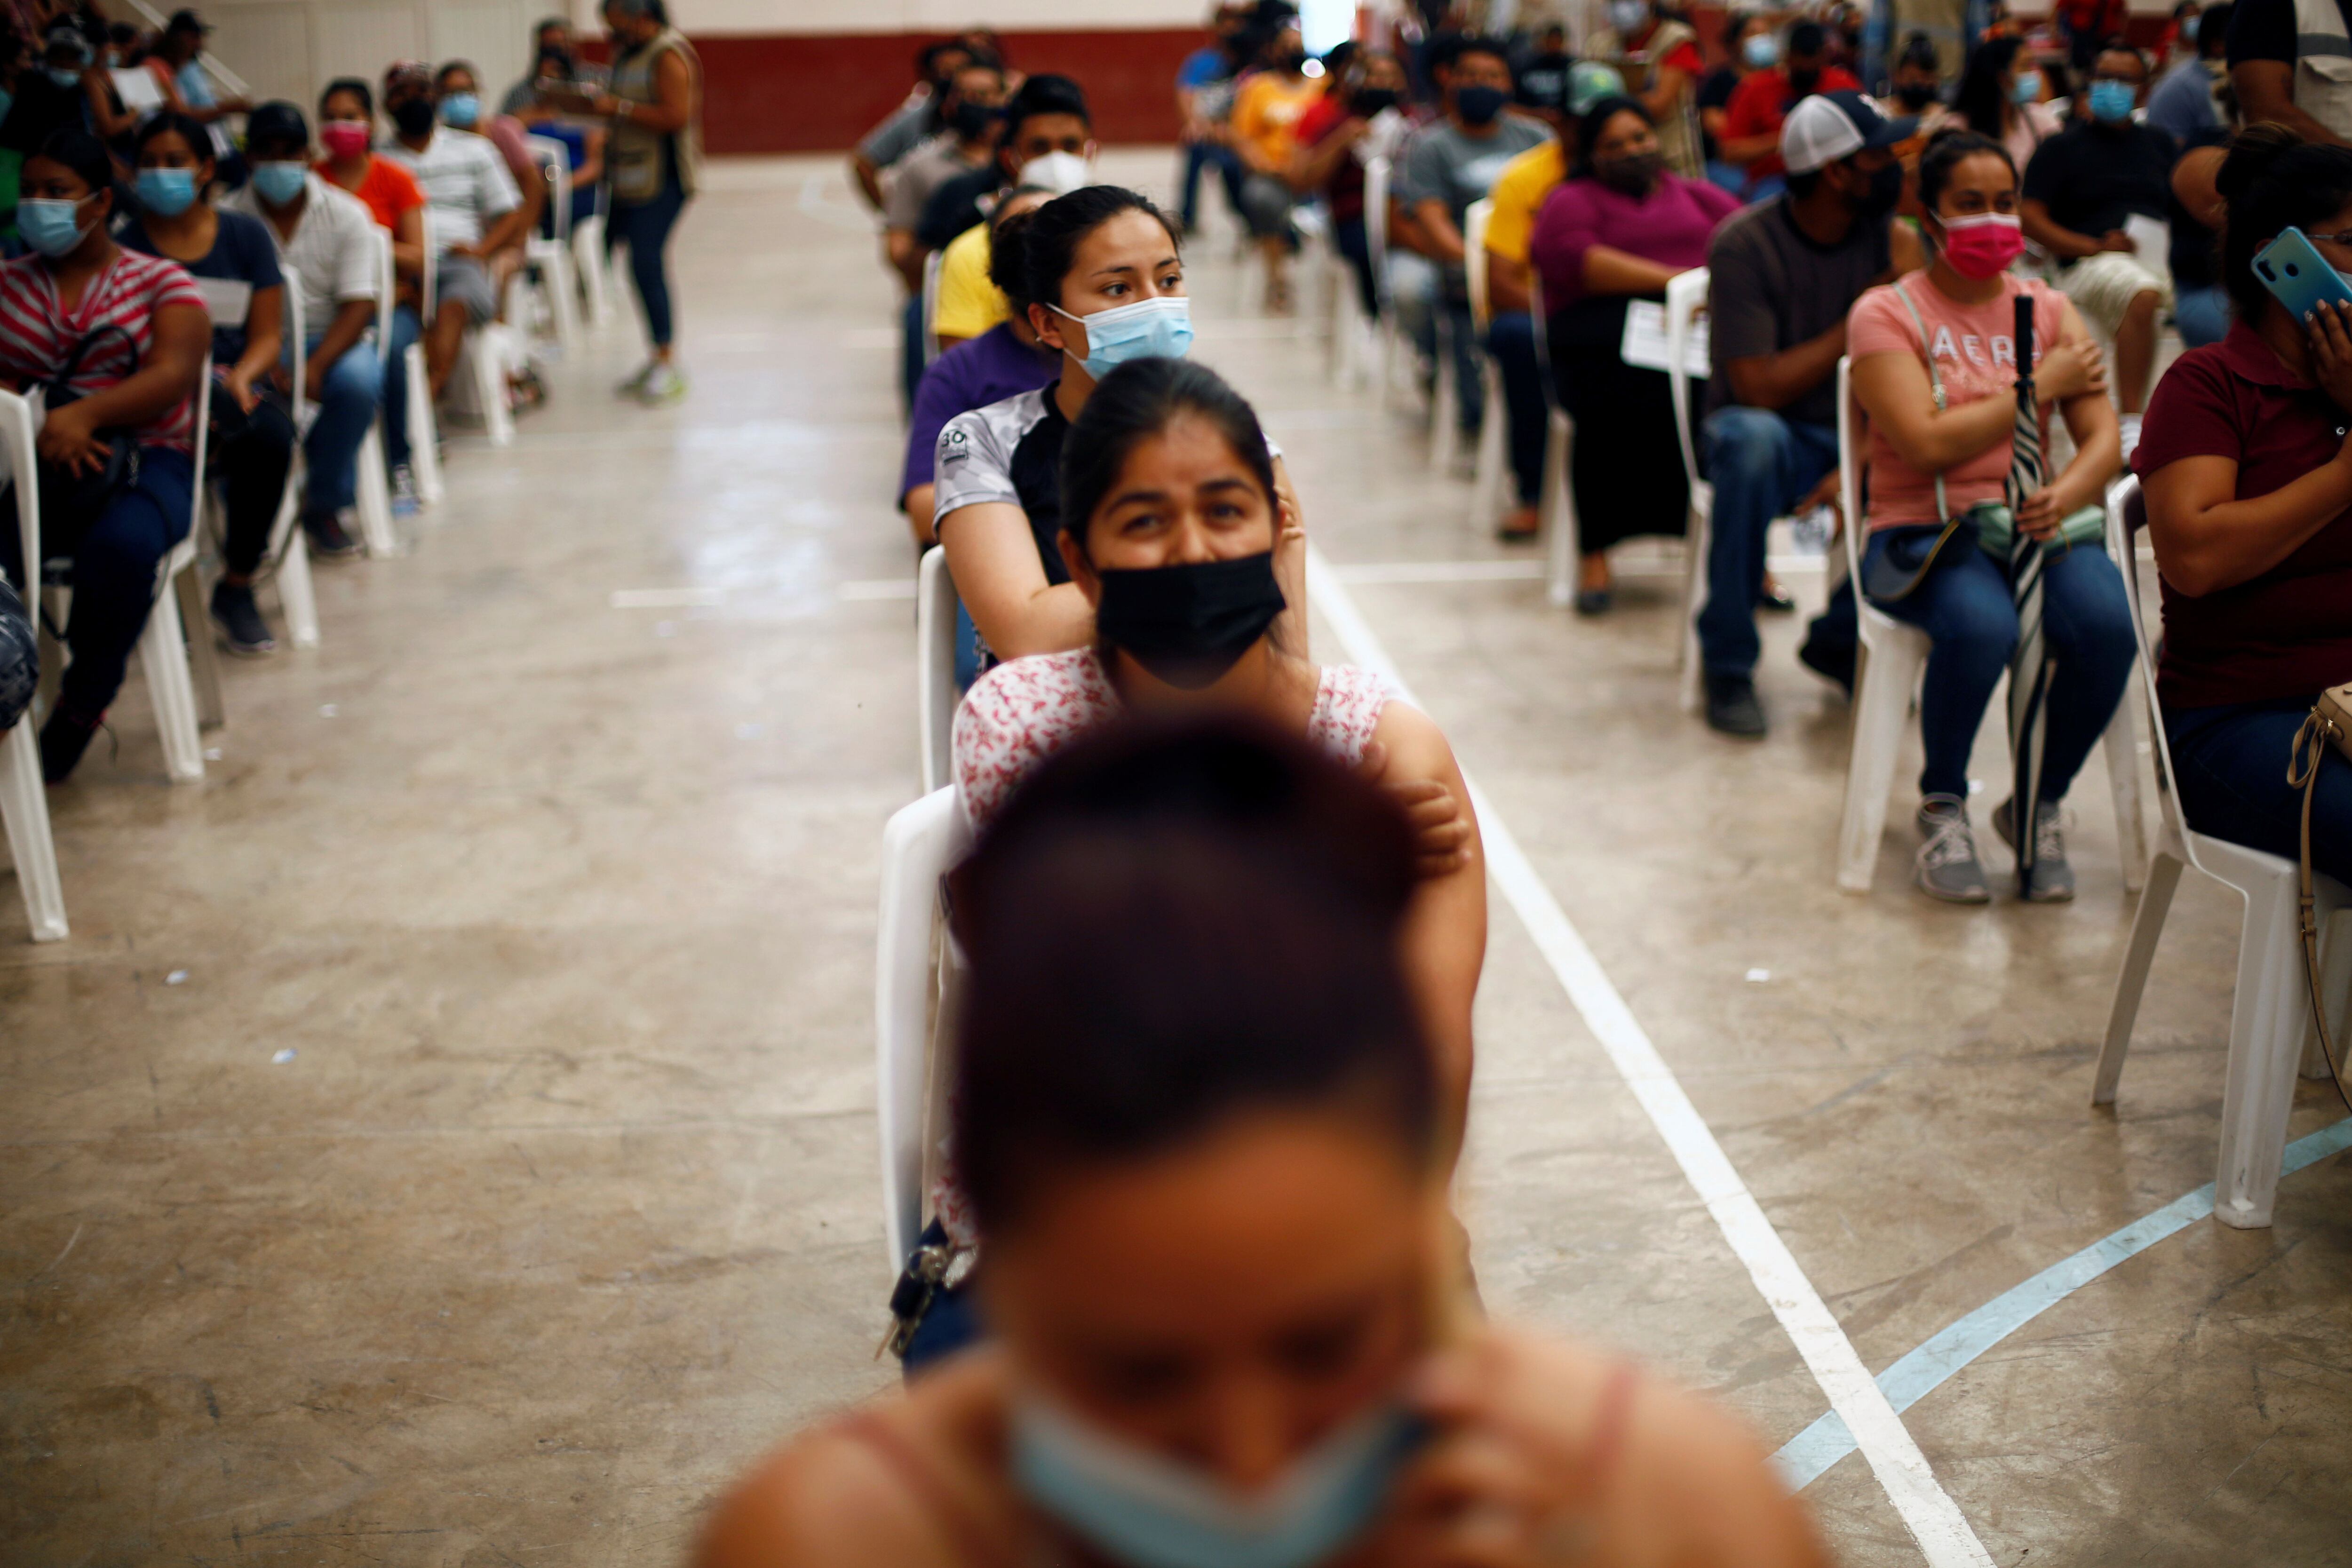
{"type": "Point", "coordinates": [1803, 1458]}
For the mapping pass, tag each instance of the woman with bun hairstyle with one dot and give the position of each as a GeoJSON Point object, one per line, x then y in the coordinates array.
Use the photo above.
{"type": "Point", "coordinates": [1197, 1120]}
{"type": "Point", "coordinates": [1935, 366]}
{"type": "Point", "coordinates": [2248, 474]}
{"type": "Point", "coordinates": [1106, 285]}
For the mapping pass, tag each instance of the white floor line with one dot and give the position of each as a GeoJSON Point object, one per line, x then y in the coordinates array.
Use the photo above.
{"type": "Point", "coordinates": [1392, 571]}
{"type": "Point", "coordinates": [1926, 1510]}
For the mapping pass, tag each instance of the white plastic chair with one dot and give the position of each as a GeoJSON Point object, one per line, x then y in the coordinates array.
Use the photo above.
{"type": "Point", "coordinates": [288, 544]}
{"type": "Point", "coordinates": [1685, 297]}
{"type": "Point", "coordinates": [2271, 1031]}
{"type": "Point", "coordinates": [552, 256]}
{"type": "Point", "coordinates": [373, 497]}
{"type": "Point", "coordinates": [24, 801]}
{"type": "Point", "coordinates": [1894, 657]}
{"type": "Point", "coordinates": [1556, 510]}
{"type": "Point", "coordinates": [423, 424]}
{"type": "Point", "coordinates": [589, 258]}
{"type": "Point", "coordinates": [482, 360]}
{"type": "Point", "coordinates": [1376, 246]}
{"type": "Point", "coordinates": [1494, 455]}
{"type": "Point", "coordinates": [935, 663]}
{"type": "Point", "coordinates": [931, 265]}
{"type": "Point", "coordinates": [922, 842]}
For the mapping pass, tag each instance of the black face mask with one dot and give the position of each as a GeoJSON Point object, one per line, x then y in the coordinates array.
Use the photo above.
{"type": "Point", "coordinates": [1802, 83]}
{"type": "Point", "coordinates": [1632, 175]}
{"type": "Point", "coordinates": [1187, 625]}
{"type": "Point", "coordinates": [413, 116]}
{"type": "Point", "coordinates": [1479, 105]}
{"type": "Point", "coordinates": [974, 121]}
{"type": "Point", "coordinates": [1878, 199]}
{"type": "Point", "coordinates": [1916, 97]}
{"type": "Point", "coordinates": [1369, 101]}
{"type": "Point", "coordinates": [1291, 60]}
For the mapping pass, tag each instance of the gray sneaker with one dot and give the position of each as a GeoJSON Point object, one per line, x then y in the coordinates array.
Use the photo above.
{"type": "Point", "coordinates": [1948, 868]}
{"type": "Point", "coordinates": [2052, 880]}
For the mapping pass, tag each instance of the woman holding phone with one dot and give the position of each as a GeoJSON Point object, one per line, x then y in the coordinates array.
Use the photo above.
{"type": "Point", "coordinates": [1197, 1120]}
{"type": "Point", "coordinates": [2249, 482]}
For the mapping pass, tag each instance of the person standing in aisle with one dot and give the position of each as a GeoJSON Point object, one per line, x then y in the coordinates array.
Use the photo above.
{"type": "Point", "coordinates": [654, 154]}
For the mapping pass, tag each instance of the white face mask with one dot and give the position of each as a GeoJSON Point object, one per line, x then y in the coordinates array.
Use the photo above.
{"type": "Point", "coordinates": [1060, 173]}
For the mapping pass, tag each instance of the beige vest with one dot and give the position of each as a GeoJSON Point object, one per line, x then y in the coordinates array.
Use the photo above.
{"type": "Point", "coordinates": [634, 153]}
{"type": "Point", "coordinates": [1678, 133]}
{"type": "Point", "coordinates": [2323, 65]}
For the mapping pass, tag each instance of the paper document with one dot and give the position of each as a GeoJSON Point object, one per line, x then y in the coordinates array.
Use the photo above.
{"type": "Point", "coordinates": [226, 299]}
{"type": "Point", "coordinates": [2152, 240]}
{"type": "Point", "coordinates": [1644, 343]}
{"type": "Point", "coordinates": [138, 90]}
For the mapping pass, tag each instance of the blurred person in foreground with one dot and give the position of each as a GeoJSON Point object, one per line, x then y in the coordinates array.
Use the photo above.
{"type": "Point", "coordinates": [1195, 1109]}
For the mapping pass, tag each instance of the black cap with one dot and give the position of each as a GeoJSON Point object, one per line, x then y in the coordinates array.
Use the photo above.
{"type": "Point", "coordinates": [276, 120]}
{"type": "Point", "coordinates": [187, 21]}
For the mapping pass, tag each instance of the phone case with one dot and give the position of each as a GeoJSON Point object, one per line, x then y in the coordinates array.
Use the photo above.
{"type": "Point", "coordinates": [2294, 272]}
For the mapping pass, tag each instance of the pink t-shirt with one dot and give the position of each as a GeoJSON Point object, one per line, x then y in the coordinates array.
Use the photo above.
{"type": "Point", "coordinates": [1976, 354]}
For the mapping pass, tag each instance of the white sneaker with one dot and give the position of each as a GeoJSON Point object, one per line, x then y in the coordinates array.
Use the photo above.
{"type": "Point", "coordinates": [636, 383]}
{"type": "Point", "coordinates": [663, 384]}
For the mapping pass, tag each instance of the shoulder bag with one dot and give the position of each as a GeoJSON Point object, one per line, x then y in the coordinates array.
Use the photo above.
{"type": "Point", "coordinates": [2331, 723]}
{"type": "Point", "coordinates": [71, 501]}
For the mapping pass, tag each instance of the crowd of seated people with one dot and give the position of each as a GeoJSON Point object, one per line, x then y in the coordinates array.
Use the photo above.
{"type": "Point", "coordinates": [154, 228]}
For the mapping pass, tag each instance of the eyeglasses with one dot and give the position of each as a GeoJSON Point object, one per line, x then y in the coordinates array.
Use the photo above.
{"type": "Point", "coordinates": [2344, 239]}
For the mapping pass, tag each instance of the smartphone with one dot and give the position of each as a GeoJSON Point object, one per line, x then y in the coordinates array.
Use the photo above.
{"type": "Point", "coordinates": [2294, 272]}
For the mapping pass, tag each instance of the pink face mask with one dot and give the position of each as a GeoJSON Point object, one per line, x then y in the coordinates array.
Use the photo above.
{"type": "Point", "coordinates": [1982, 246]}
{"type": "Point", "coordinates": [343, 138]}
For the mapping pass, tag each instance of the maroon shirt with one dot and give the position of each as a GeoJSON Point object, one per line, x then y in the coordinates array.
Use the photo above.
{"type": "Point", "coordinates": [2287, 633]}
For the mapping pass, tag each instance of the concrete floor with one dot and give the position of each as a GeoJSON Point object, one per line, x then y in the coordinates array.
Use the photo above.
{"type": "Point", "coordinates": [565, 1204]}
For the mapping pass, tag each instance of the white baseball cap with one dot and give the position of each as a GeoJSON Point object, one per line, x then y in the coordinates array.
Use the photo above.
{"type": "Point", "coordinates": [1829, 126]}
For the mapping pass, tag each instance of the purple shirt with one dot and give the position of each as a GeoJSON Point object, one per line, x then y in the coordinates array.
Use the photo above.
{"type": "Point", "coordinates": [1669, 227]}
{"type": "Point", "coordinates": [987, 369]}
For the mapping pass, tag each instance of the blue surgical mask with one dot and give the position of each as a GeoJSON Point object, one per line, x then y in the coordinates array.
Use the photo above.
{"type": "Point", "coordinates": [48, 225]}
{"type": "Point", "coordinates": [278, 184]}
{"type": "Point", "coordinates": [166, 193]}
{"type": "Point", "coordinates": [1148, 328]}
{"type": "Point", "coordinates": [1761, 51]}
{"type": "Point", "coordinates": [1628, 16]}
{"type": "Point", "coordinates": [2188, 31]}
{"type": "Point", "coordinates": [2027, 88]}
{"type": "Point", "coordinates": [460, 110]}
{"type": "Point", "coordinates": [2112, 102]}
{"type": "Point", "coordinates": [1147, 1512]}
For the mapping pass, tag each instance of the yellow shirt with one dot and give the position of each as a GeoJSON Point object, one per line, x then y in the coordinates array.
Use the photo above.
{"type": "Point", "coordinates": [1265, 118]}
{"type": "Point", "coordinates": [1519, 195]}
{"type": "Point", "coordinates": [969, 303]}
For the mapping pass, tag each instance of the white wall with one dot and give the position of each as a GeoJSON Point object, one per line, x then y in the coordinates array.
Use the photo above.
{"type": "Point", "coordinates": [289, 49]}
{"type": "Point", "coordinates": [932, 16]}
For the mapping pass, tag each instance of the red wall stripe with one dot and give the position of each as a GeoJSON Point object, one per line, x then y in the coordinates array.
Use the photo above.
{"type": "Point", "coordinates": [815, 92]}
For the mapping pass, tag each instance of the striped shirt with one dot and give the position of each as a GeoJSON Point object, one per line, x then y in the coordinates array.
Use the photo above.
{"type": "Point", "coordinates": [37, 334]}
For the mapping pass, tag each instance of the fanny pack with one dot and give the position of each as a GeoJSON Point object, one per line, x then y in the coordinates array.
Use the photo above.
{"type": "Point", "coordinates": [2331, 722]}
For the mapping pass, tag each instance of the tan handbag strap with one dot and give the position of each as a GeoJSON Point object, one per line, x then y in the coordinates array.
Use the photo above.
{"type": "Point", "coordinates": [2319, 731]}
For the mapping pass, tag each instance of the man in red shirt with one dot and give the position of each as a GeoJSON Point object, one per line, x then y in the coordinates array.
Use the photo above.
{"type": "Point", "coordinates": [1751, 133]}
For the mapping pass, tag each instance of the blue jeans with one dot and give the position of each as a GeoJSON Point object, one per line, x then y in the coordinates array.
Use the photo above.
{"type": "Point", "coordinates": [912, 365]}
{"type": "Point", "coordinates": [347, 403]}
{"type": "Point", "coordinates": [2202, 315]}
{"type": "Point", "coordinates": [646, 227]}
{"type": "Point", "coordinates": [1347, 235]}
{"type": "Point", "coordinates": [395, 385]}
{"type": "Point", "coordinates": [114, 575]}
{"type": "Point", "coordinates": [1511, 340]}
{"type": "Point", "coordinates": [1762, 465]}
{"type": "Point", "coordinates": [2229, 763]}
{"type": "Point", "coordinates": [1965, 609]}
{"type": "Point", "coordinates": [1201, 155]}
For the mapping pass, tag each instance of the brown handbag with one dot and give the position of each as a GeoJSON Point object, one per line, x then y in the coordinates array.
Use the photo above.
{"type": "Point", "coordinates": [2331, 722]}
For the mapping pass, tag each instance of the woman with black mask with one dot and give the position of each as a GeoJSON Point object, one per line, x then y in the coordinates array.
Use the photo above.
{"type": "Point", "coordinates": [1168, 525]}
{"type": "Point", "coordinates": [1615, 231]}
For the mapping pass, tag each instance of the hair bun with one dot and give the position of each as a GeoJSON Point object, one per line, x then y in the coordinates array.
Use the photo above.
{"type": "Point", "coordinates": [2253, 152]}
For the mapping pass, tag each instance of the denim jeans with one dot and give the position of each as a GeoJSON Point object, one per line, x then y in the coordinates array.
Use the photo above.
{"type": "Point", "coordinates": [1347, 235]}
{"type": "Point", "coordinates": [646, 227]}
{"type": "Point", "coordinates": [1511, 340]}
{"type": "Point", "coordinates": [114, 575]}
{"type": "Point", "coordinates": [395, 386]}
{"type": "Point", "coordinates": [347, 403]}
{"type": "Point", "coordinates": [1965, 609]}
{"type": "Point", "coordinates": [2202, 315]}
{"type": "Point", "coordinates": [248, 454]}
{"type": "Point", "coordinates": [1762, 465]}
{"type": "Point", "coordinates": [2229, 763]}
{"type": "Point", "coordinates": [1201, 155]}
